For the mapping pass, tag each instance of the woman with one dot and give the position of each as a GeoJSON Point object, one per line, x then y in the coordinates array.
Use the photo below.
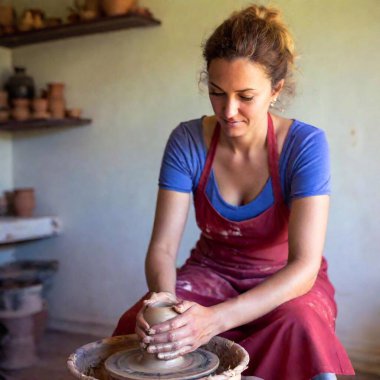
{"type": "Point", "coordinates": [261, 187]}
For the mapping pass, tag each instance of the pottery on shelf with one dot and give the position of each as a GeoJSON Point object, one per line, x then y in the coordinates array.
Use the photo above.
{"type": "Point", "coordinates": [20, 113]}
{"type": "Point", "coordinates": [20, 85]}
{"type": "Point", "coordinates": [56, 100]}
{"type": "Point", "coordinates": [117, 7]}
{"type": "Point", "coordinates": [40, 106]}
{"type": "Point", "coordinates": [6, 15]}
{"type": "Point", "coordinates": [24, 202]}
{"type": "Point", "coordinates": [3, 99]}
{"type": "Point", "coordinates": [4, 115]}
{"type": "Point", "coordinates": [21, 110]}
{"type": "Point", "coordinates": [74, 113]}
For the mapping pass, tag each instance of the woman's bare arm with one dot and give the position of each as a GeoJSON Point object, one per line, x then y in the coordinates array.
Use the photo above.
{"type": "Point", "coordinates": [170, 220]}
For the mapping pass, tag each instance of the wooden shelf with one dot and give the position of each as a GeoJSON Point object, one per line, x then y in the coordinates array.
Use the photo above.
{"type": "Point", "coordinates": [100, 25]}
{"type": "Point", "coordinates": [16, 229]}
{"type": "Point", "coordinates": [29, 125]}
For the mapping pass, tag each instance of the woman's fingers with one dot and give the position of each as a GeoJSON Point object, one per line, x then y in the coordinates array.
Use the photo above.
{"type": "Point", "coordinates": [140, 332]}
{"type": "Point", "coordinates": [183, 306]}
{"type": "Point", "coordinates": [169, 347]}
{"type": "Point", "coordinates": [169, 325]}
{"type": "Point", "coordinates": [175, 354]}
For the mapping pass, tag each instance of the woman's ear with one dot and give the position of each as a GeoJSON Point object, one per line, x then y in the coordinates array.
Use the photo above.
{"type": "Point", "coordinates": [278, 88]}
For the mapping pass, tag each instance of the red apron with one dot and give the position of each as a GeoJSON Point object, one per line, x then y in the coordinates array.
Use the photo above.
{"type": "Point", "coordinates": [295, 341]}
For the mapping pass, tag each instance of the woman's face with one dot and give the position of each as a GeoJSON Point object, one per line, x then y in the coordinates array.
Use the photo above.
{"type": "Point", "coordinates": [240, 94]}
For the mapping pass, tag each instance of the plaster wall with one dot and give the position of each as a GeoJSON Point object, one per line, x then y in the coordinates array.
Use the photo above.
{"type": "Point", "coordinates": [138, 85]}
{"type": "Point", "coordinates": [6, 177]}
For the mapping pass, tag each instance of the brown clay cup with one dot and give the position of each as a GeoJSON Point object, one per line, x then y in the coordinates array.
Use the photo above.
{"type": "Point", "coordinates": [24, 202]}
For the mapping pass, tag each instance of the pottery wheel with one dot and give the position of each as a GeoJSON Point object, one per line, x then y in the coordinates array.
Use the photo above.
{"type": "Point", "coordinates": [127, 365]}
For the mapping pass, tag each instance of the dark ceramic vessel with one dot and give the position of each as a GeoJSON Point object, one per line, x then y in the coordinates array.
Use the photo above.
{"type": "Point", "coordinates": [20, 85]}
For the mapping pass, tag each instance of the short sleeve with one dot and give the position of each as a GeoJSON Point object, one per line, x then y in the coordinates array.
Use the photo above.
{"type": "Point", "coordinates": [176, 173]}
{"type": "Point", "coordinates": [310, 166]}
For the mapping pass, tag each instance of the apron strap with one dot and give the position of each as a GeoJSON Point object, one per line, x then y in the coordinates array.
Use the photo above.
{"type": "Point", "coordinates": [273, 161]}
{"type": "Point", "coordinates": [209, 158]}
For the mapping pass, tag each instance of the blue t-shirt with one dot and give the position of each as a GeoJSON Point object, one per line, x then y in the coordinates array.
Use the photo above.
{"type": "Point", "coordinates": [304, 168]}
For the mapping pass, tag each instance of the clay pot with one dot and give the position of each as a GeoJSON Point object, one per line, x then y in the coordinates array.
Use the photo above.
{"type": "Point", "coordinates": [117, 7]}
{"type": "Point", "coordinates": [4, 115]}
{"type": "Point", "coordinates": [21, 103]}
{"type": "Point", "coordinates": [74, 113]}
{"type": "Point", "coordinates": [56, 90]}
{"type": "Point", "coordinates": [40, 104]}
{"type": "Point", "coordinates": [24, 202]}
{"type": "Point", "coordinates": [3, 205]}
{"type": "Point", "coordinates": [57, 108]}
{"type": "Point", "coordinates": [21, 113]}
{"type": "Point", "coordinates": [6, 15]}
{"type": "Point", "coordinates": [3, 99]}
{"type": "Point", "coordinates": [87, 15]}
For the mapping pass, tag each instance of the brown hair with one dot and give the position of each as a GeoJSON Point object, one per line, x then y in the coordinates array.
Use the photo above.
{"type": "Point", "coordinates": [259, 34]}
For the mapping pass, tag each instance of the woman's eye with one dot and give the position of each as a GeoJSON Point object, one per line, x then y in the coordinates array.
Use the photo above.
{"type": "Point", "coordinates": [246, 98]}
{"type": "Point", "coordinates": [216, 93]}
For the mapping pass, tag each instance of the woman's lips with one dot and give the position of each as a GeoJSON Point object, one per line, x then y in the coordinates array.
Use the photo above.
{"type": "Point", "coordinates": [232, 123]}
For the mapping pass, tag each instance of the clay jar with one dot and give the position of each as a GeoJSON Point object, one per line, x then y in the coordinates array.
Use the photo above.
{"type": "Point", "coordinates": [56, 100]}
{"type": "Point", "coordinates": [6, 15]}
{"type": "Point", "coordinates": [3, 99]}
{"type": "Point", "coordinates": [24, 202]}
{"type": "Point", "coordinates": [40, 108]}
{"type": "Point", "coordinates": [116, 7]}
{"type": "Point", "coordinates": [21, 111]}
{"type": "Point", "coordinates": [156, 313]}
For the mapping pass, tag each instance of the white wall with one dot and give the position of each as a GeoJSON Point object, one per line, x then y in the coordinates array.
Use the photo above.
{"type": "Point", "coordinates": [6, 177]}
{"type": "Point", "coordinates": [137, 85]}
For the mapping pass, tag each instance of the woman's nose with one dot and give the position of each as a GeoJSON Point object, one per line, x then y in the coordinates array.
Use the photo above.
{"type": "Point", "coordinates": [230, 108]}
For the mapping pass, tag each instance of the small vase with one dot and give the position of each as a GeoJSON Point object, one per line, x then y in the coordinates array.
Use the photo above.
{"type": "Point", "coordinates": [55, 90]}
{"type": "Point", "coordinates": [24, 202]}
{"type": "Point", "coordinates": [3, 99]}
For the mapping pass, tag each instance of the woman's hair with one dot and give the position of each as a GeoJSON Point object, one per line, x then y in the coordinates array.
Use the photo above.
{"type": "Point", "coordinates": [259, 34]}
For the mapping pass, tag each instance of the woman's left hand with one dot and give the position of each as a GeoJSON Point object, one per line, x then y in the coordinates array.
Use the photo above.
{"type": "Point", "coordinates": [194, 326]}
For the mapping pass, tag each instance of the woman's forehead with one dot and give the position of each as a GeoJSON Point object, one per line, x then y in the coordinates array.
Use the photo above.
{"type": "Point", "coordinates": [237, 74]}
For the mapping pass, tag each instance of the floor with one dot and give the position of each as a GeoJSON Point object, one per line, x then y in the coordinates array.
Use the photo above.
{"type": "Point", "coordinates": [57, 346]}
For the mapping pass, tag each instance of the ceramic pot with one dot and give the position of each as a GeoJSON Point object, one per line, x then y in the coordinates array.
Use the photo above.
{"type": "Point", "coordinates": [40, 104]}
{"type": "Point", "coordinates": [57, 108]}
{"type": "Point", "coordinates": [56, 90]}
{"type": "Point", "coordinates": [6, 15]}
{"type": "Point", "coordinates": [74, 113]}
{"type": "Point", "coordinates": [21, 103]}
{"type": "Point", "coordinates": [20, 113]}
{"type": "Point", "coordinates": [3, 206]}
{"type": "Point", "coordinates": [4, 115]}
{"type": "Point", "coordinates": [116, 7]}
{"type": "Point", "coordinates": [3, 99]}
{"type": "Point", "coordinates": [24, 202]}
{"type": "Point", "coordinates": [20, 85]}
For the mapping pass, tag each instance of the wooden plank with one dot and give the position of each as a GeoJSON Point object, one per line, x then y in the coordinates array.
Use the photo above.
{"type": "Point", "coordinates": [17, 229]}
{"type": "Point", "coordinates": [29, 125]}
{"type": "Point", "coordinates": [100, 25]}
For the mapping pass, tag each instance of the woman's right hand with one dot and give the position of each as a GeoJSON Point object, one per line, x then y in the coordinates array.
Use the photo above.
{"type": "Point", "coordinates": [142, 325]}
